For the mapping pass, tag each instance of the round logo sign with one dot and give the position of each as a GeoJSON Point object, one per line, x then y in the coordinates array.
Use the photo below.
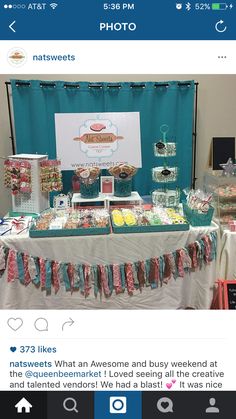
{"type": "Point", "coordinates": [16, 57]}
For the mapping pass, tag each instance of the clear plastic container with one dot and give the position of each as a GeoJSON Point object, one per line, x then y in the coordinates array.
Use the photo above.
{"type": "Point", "coordinates": [163, 174]}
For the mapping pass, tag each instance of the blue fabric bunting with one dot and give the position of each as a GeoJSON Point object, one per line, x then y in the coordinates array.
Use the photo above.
{"type": "Point", "coordinates": [81, 277]}
{"type": "Point", "coordinates": [122, 275]}
{"type": "Point", "coordinates": [65, 276]}
{"type": "Point", "coordinates": [20, 266]}
{"type": "Point", "coordinates": [147, 269]}
{"type": "Point", "coordinates": [110, 278]}
{"type": "Point", "coordinates": [36, 279]}
{"type": "Point", "coordinates": [161, 268]}
{"type": "Point", "coordinates": [135, 274]}
{"type": "Point", "coordinates": [48, 268]}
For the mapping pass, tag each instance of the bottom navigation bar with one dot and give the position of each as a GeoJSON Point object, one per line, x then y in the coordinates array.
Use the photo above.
{"type": "Point", "coordinates": [106, 404]}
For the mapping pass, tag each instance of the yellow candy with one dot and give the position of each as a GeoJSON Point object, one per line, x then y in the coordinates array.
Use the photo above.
{"type": "Point", "coordinates": [118, 218]}
{"type": "Point", "coordinates": [130, 219]}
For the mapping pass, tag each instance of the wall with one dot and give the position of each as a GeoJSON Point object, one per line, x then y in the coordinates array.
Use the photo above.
{"type": "Point", "coordinates": [216, 113]}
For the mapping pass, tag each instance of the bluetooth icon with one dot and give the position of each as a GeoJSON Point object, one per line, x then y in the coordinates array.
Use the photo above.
{"type": "Point", "coordinates": [188, 6]}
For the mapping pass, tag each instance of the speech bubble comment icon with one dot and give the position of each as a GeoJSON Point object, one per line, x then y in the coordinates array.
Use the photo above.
{"type": "Point", "coordinates": [41, 324]}
{"type": "Point", "coordinates": [165, 405]}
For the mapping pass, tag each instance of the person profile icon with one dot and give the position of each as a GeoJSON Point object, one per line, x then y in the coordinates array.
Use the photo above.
{"type": "Point", "coordinates": [212, 408]}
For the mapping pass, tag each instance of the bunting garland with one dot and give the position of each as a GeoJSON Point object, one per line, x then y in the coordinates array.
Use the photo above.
{"type": "Point", "coordinates": [105, 279]}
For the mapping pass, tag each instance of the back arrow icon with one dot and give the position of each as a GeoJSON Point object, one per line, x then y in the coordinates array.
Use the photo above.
{"type": "Point", "coordinates": [11, 26]}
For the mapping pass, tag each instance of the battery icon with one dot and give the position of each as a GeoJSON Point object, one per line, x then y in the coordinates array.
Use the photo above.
{"type": "Point", "coordinates": [219, 6]}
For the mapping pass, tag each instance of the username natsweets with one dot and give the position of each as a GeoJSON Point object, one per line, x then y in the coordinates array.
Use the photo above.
{"type": "Point", "coordinates": [48, 57]}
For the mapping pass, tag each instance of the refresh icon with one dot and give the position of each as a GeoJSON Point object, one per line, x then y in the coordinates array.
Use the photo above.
{"type": "Point", "coordinates": [220, 26]}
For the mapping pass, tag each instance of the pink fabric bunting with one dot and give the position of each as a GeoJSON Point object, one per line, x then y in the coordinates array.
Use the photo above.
{"type": "Point", "coordinates": [207, 245]}
{"type": "Point", "coordinates": [42, 269]}
{"type": "Point", "coordinates": [104, 280]}
{"type": "Point", "coordinates": [193, 254]}
{"type": "Point", "coordinates": [87, 280]}
{"type": "Point", "coordinates": [168, 267]}
{"type": "Point", "coordinates": [12, 273]}
{"type": "Point", "coordinates": [27, 278]}
{"type": "Point", "coordinates": [141, 274]}
{"type": "Point", "coordinates": [129, 278]}
{"type": "Point", "coordinates": [55, 276]}
{"type": "Point", "coordinates": [180, 262]}
{"type": "Point", "coordinates": [117, 278]}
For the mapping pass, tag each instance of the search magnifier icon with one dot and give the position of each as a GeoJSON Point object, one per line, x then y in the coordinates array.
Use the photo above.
{"type": "Point", "coordinates": [70, 405]}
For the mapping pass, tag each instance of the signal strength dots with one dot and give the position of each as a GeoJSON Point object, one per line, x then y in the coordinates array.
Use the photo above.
{"type": "Point", "coordinates": [53, 5]}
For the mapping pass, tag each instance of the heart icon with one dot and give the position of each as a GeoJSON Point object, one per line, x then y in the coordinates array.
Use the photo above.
{"type": "Point", "coordinates": [15, 323]}
{"type": "Point", "coordinates": [169, 385]}
{"type": "Point", "coordinates": [173, 381]}
{"type": "Point", "coordinates": [13, 348]}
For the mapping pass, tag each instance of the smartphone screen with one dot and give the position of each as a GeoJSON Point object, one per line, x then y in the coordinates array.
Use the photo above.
{"type": "Point", "coordinates": [117, 209]}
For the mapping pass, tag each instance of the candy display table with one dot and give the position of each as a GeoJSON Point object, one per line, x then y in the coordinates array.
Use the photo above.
{"type": "Point", "coordinates": [194, 290]}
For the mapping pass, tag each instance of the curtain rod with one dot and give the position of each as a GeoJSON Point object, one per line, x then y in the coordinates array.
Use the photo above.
{"type": "Point", "coordinates": [100, 85]}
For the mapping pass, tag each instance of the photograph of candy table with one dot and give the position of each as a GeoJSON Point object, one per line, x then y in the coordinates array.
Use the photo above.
{"type": "Point", "coordinates": [194, 290]}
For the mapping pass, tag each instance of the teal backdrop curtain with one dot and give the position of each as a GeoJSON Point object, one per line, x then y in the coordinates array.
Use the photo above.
{"type": "Point", "coordinates": [171, 103]}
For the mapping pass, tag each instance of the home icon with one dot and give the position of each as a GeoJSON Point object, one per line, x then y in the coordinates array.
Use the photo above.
{"type": "Point", "coordinates": [23, 406]}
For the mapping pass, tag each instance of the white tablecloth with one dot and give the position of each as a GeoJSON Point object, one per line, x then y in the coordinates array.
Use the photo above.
{"type": "Point", "coordinates": [195, 290]}
{"type": "Point", "coordinates": [228, 255]}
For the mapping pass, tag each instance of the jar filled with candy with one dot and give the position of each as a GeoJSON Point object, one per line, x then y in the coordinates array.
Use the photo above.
{"type": "Point", "coordinates": [123, 176]}
{"type": "Point", "coordinates": [89, 182]}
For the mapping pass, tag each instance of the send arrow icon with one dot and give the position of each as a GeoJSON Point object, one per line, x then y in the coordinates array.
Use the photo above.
{"type": "Point", "coordinates": [11, 26]}
{"type": "Point", "coordinates": [68, 323]}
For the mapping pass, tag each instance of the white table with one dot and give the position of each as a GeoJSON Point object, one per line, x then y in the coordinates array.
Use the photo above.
{"type": "Point", "coordinates": [134, 198]}
{"type": "Point", "coordinates": [76, 199]}
{"type": "Point", "coordinates": [195, 290]}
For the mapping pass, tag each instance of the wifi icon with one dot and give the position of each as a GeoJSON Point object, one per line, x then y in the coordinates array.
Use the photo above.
{"type": "Point", "coordinates": [53, 5]}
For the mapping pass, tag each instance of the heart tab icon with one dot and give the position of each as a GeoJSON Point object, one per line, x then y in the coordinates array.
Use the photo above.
{"type": "Point", "coordinates": [15, 323]}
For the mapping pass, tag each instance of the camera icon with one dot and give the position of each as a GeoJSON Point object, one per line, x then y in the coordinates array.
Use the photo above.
{"type": "Point", "coordinates": [118, 405]}
{"type": "Point", "coordinates": [179, 6]}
